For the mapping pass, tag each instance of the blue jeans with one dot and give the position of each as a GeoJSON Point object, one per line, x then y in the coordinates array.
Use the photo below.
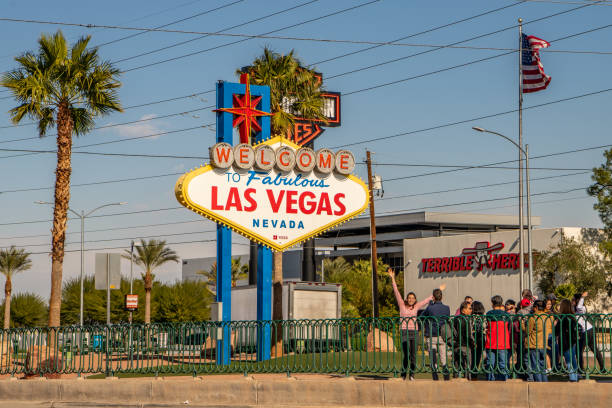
{"type": "Point", "coordinates": [570, 361]}
{"type": "Point", "coordinates": [537, 366]}
{"type": "Point", "coordinates": [554, 353]}
{"type": "Point", "coordinates": [499, 371]}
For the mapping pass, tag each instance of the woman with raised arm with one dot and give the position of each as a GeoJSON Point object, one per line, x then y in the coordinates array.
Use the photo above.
{"type": "Point", "coordinates": [408, 309]}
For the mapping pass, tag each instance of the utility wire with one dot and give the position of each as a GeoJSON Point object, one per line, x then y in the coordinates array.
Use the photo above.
{"type": "Point", "coordinates": [217, 32]}
{"type": "Point", "coordinates": [127, 107]}
{"type": "Point", "coordinates": [380, 213]}
{"type": "Point", "coordinates": [120, 124]}
{"type": "Point", "coordinates": [335, 147]}
{"type": "Point", "coordinates": [377, 139]}
{"type": "Point", "coordinates": [248, 38]}
{"type": "Point", "coordinates": [171, 23]}
{"type": "Point", "coordinates": [109, 229]}
{"type": "Point", "coordinates": [131, 179]}
{"type": "Point", "coordinates": [485, 200]}
{"type": "Point", "coordinates": [455, 43]}
{"type": "Point", "coordinates": [127, 238]}
{"type": "Point", "coordinates": [452, 23]}
{"type": "Point", "coordinates": [480, 186]}
{"type": "Point", "coordinates": [472, 62]}
{"type": "Point", "coordinates": [496, 163]}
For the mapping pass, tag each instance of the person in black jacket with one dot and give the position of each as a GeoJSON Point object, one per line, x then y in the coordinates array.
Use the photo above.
{"type": "Point", "coordinates": [463, 340]}
{"type": "Point", "coordinates": [435, 316]}
{"type": "Point", "coordinates": [567, 334]}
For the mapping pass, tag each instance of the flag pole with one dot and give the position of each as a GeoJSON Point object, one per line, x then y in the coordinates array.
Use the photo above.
{"type": "Point", "coordinates": [520, 142]}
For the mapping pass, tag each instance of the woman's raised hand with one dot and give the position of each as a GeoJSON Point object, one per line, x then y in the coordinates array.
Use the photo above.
{"type": "Point", "coordinates": [443, 286]}
{"type": "Point", "coordinates": [391, 273]}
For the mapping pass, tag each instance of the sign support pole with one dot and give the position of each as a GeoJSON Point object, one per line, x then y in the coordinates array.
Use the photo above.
{"type": "Point", "coordinates": [264, 297]}
{"type": "Point", "coordinates": [374, 258]}
{"type": "Point", "coordinates": [108, 284]}
{"type": "Point", "coordinates": [224, 239]}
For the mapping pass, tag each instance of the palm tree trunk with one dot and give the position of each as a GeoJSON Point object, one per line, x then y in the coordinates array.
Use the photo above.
{"type": "Point", "coordinates": [8, 287]}
{"type": "Point", "coordinates": [60, 212]}
{"type": "Point", "coordinates": [148, 286]}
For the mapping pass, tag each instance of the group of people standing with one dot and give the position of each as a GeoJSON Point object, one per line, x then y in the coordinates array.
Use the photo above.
{"type": "Point", "coordinates": [542, 335]}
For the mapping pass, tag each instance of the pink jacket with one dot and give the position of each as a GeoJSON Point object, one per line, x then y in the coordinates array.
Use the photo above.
{"type": "Point", "coordinates": [408, 313]}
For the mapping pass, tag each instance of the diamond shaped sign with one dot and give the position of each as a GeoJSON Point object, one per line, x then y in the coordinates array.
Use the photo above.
{"type": "Point", "coordinates": [276, 208]}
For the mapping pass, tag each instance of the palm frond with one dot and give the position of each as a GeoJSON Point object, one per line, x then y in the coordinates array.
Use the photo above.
{"type": "Point", "coordinates": [14, 260]}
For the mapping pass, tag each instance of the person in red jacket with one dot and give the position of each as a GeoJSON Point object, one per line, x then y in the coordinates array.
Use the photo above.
{"type": "Point", "coordinates": [497, 341]}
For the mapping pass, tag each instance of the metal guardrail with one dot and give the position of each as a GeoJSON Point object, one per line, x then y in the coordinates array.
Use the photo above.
{"type": "Point", "coordinates": [466, 346]}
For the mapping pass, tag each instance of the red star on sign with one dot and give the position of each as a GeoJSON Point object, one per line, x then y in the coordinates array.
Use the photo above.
{"type": "Point", "coordinates": [245, 112]}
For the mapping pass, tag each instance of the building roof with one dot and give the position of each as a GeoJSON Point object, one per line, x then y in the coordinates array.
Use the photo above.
{"type": "Point", "coordinates": [396, 227]}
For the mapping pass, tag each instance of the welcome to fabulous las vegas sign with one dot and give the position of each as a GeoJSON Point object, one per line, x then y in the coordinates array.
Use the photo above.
{"type": "Point", "coordinates": [275, 193]}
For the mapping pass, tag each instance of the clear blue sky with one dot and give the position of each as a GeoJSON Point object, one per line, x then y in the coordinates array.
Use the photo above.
{"type": "Point", "coordinates": [468, 92]}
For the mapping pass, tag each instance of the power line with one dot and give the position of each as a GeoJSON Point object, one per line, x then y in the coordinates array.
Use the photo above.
{"type": "Point", "coordinates": [121, 124]}
{"type": "Point", "coordinates": [480, 186]}
{"type": "Point", "coordinates": [109, 229]}
{"type": "Point", "coordinates": [217, 32]}
{"type": "Point", "coordinates": [419, 33]}
{"type": "Point", "coordinates": [127, 107]}
{"type": "Point", "coordinates": [97, 216]}
{"type": "Point", "coordinates": [127, 238]}
{"type": "Point", "coordinates": [151, 177]}
{"type": "Point", "coordinates": [375, 44]}
{"type": "Point", "coordinates": [95, 183]}
{"type": "Point", "coordinates": [35, 152]}
{"type": "Point", "coordinates": [123, 247]}
{"type": "Point", "coordinates": [454, 43]}
{"type": "Point", "coordinates": [248, 38]}
{"type": "Point", "coordinates": [496, 163]}
{"type": "Point", "coordinates": [473, 119]}
{"type": "Point", "coordinates": [335, 147]}
{"type": "Point", "coordinates": [486, 200]}
{"type": "Point", "coordinates": [171, 23]}
{"type": "Point", "coordinates": [465, 64]}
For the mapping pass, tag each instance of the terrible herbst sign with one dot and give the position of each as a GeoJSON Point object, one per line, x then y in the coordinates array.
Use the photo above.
{"type": "Point", "coordinates": [275, 193]}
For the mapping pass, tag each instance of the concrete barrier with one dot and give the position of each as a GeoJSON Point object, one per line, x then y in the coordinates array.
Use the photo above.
{"type": "Point", "coordinates": [299, 391]}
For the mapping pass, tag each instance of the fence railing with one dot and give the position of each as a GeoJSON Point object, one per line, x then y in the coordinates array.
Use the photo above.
{"type": "Point", "coordinates": [465, 346]}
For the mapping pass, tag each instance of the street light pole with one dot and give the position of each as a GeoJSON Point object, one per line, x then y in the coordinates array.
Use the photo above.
{"type": "Point", "coordinates": [82, 215]}
{"type": "Point", "coordinates": [530, 260]}
{"type": "Point", "coordinates": [521, 255]}
{"type": "Point", "coordinates": [131, 275]}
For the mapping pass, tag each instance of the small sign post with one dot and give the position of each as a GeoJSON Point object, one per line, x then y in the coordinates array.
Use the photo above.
{"type": "Point", "coordinates": [108, 276]}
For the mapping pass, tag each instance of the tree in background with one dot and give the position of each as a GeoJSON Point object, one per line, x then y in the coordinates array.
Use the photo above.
{"type": "Point", "coordinates": [356, 281]}
{"type": "Point", "coordinates": [239, 271]}
{"type": "Point", "coordinates": [293, 88]}
{"type": "Point", "coordinates": [187, 301]}
{"type": "Point", "coordinates": [571, 263]}
{"type": "Point", "coordinates": [151, 255]}
{"type": "Point", "coordinates": [68, 87]}
{"type": "Point", "coordinates": [601, 189]}
{"type": "Point", "coordinates": [175, 302]}
{"type": "Point", "coordinates": [94, 302]}
{"type": "Point", "coordinates": [12, 261]}
{"type": "Point", "coordinates": [27, 310]}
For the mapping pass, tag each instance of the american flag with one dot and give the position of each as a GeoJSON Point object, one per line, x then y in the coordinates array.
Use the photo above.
{"type": "Point", "coordinates": [534, 78]}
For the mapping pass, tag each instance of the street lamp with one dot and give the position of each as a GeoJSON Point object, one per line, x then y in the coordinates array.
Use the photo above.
{"type": "Point", "coordinates": [82, 215]}
{"type": "Point", "coordinates": [521, 260]}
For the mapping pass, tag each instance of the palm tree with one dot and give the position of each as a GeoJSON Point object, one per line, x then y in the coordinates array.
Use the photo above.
{"type": "Point", "coordinates": [239, 271]}
{"type": "Point", "coordinates": [67, 87]}
{"type": "Point", "coordinates": [293, 88]}
{"type": "Point", "coordinates": [150, 255]}
{"type": "Point", "coordinates": [12, 261]}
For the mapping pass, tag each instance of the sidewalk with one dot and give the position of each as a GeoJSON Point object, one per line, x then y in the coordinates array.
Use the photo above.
{"type": "Point", "coordinates": [299, 390]}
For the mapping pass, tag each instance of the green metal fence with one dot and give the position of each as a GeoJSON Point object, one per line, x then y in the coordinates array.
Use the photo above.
{"type": "Point", "coordinates": [465, 346]}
